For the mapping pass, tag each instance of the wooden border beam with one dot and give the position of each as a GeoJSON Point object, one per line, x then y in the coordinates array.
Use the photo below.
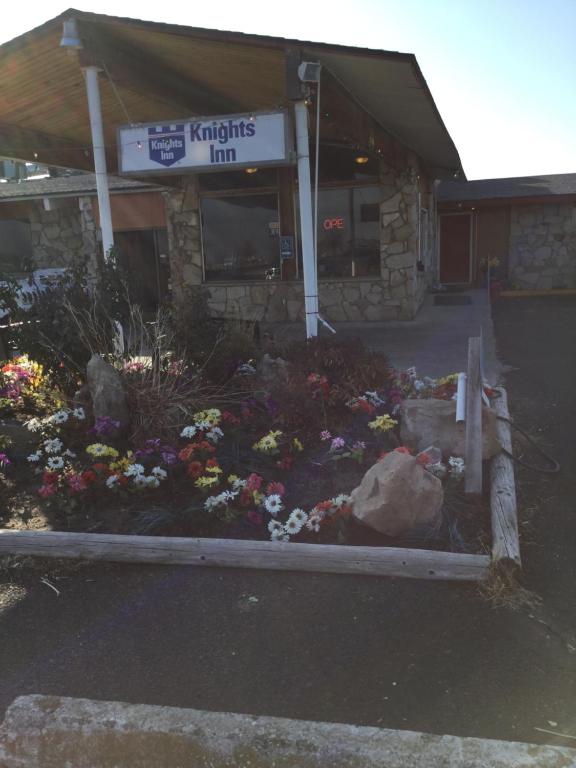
{"type": "Point", "coordinates": [473, 446]}
{"type": "Point", "coordinates": [231, 553]}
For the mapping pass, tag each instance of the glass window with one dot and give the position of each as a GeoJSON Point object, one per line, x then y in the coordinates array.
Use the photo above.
{"type": "Point", "coordinates": [258, 177]}
{"type": "Point", "coordinates": [15, 247]}
{"type": "Point", "coordinates": [348, 232]}
{"type": "Point", "coordinates": [240, 237]}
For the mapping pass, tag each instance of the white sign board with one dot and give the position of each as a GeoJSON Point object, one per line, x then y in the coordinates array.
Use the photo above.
{"type": "Point", "coordinates": [221, 143]}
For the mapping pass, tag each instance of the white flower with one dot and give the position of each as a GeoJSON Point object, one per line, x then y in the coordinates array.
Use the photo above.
{"type": "Point", "coordinates": [279, 535]}
{"type": "Point", "coordinates": [139, 481]}
{"type": "Point", "coordinates": [456, 465]}
{"type": "Point", "coordinates": [79, 413]}
{"type": "Point", "coordinates": [313, 524]}
{"type": "Point", "coordinates": [293, 526]}
{"type": "Point", "coordinates": [212, 502]}
{"type": "Point", "coordinates": [69, 453]}
{"type": "Point", "coordinates": [151, 481]}
{"type": "Point", "coordinates": [60, 417]}
{"type": "Point", "coordinates": [134, 470]}
{"type": "Point", "coordinates": [274, 525]}
{"type": "Point", "coordinates": [160, 473]}
{"type": "Point", "coordinates": [55, 462]}
{"type": "Point", "coordinates": [53, 446]}
{"type": "Point", "coordinates": [35, 456]}
{"type": "Point", "coordinates": [203, 425]}
{"type": "Point", "coordinates": [298, 514]}
{"type": "Point", "coordinates": [273, 504]}
{"type": "Point", "coordinates": [34, 425]}
{"type": "Point", "coordinates": [214, 434]}
{"type": "Point", "coordinates": [341, 500]}
{"type": "Point", "coordinates": [188, 432]}
{"type": "Point", "coordinates": [238, 483]}
{"type": "Point", "coordinates": [112, 481]}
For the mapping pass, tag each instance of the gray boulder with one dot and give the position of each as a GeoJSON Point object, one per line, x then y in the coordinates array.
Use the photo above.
{"type": "Point", "coordinates": [433, 422]}
{"type": "Point", "coordinates": [397, 495]}
{"type": "Point", "coordinates": [107, 392]}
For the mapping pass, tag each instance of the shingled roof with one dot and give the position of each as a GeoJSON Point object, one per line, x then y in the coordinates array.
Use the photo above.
{"type": "Point", "coordinates": [494, 189]}
{"type": "Point", "coordinates": [68, 186]}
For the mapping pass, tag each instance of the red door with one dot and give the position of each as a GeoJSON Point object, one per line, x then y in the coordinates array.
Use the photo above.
{"type": "Point", "coordinates": [455, 230]}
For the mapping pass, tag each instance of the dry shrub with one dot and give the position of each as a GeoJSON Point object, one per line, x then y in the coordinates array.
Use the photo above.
{"type": "Point", "coordinates": [503, 590]}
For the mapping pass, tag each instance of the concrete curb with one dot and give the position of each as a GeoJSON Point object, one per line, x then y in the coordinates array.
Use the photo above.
{"type": "Point", "coordinates": [53, 732]}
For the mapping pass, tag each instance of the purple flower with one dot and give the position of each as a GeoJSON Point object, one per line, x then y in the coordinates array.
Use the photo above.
{"type": "Point", "coordinates": [4, 460]}
{"type": "Point", "coordinates": [359, 445]}
{"type": "Point", "coordinates": [104, 426]}
{"type": "Point", "coordinates": [169, 455]}
{"type": "Point", "coordinates": [337, 443]}
{"type": "Point", "coordinates": [325, 435]}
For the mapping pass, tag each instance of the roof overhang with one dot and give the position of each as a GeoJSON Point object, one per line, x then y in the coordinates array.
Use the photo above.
{"type": "Point", "coordinates": [156, 72]}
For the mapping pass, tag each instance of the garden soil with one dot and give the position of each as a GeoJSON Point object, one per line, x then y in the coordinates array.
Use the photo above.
{"type": "Point", "coordinates": [427, 656]}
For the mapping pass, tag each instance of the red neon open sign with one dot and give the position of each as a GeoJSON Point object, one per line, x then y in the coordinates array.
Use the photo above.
{"type": "Point", "coordinates": [333, 224]}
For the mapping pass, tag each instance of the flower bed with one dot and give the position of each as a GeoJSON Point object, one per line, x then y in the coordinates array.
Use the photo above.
{"type": "Point", "coordinates": [279, 463]}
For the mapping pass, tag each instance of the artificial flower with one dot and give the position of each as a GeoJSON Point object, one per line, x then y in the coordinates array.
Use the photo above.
{"type": "Point", "coordinates": [98, 449]}
{"type": "Point", "coordinates": [273, 504]}
{"type": "Point", "coordinates": [34, 457]}
{"type": "Point", "coordinates": [60, 417]}
{"type": "Point", "coordinates": [134, 470]}
{"type": "Point", "coordinates": [55, 462]}
{"type": "Point", "coordinates": [160, 473]}
{"type": "Point", "coordinates": [325, 435]}
{"type": "Point", "coordinates": [275, 488]}
{"type": "Point", "coordinates": [53, 446]}
{"type": "Point", "coordinates": [188, 432]}
{"type": "Point", "coordinates": [79, 413]}
{"type": "Point", "coordinates": [383, 423]}
{"type": "Point", "coordinates": [292, 526]}
{"type": "Point", "coordinates": [206, 482]}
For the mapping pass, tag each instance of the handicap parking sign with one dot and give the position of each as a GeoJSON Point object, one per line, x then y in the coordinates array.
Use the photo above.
{"type": "Point", "coordinates": [166, 144]}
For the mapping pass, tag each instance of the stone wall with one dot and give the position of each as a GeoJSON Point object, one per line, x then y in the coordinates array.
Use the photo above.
{"type": "Point", "coordinates": [543, 246]}
{"type": "Point", "coordinates": [185, 249]}
{"type": "Point", "coordinates": [56, 235]}
{"type": "Point", "coordinates": [352, 300]}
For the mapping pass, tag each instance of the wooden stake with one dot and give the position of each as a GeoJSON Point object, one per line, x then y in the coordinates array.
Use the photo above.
{"type": "Point", "coordinates": [505, 540]}
{"type": "Point", "coordinates": [473, 444]}
{"type": "Point", "coordinates": [229, 553]}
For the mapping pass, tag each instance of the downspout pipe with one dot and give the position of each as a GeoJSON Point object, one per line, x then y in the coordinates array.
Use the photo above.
{"type": "Point", "coordinates": [306, 221]}
{"type": "Point", "coordinates": [98, 147]}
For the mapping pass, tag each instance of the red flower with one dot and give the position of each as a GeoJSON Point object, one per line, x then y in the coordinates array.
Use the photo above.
{"type": "Point", "coordinates": [47, 490]}
{"type": "Point", "coordinates": [246, 498]}
{"type": "Point", "coordinates": [423, 459]}
{"type": "Point", "coordinates": [255, 517]}
{"type": "Point", "coordinates": [403, 449]}
{"type": "Point", "coordinates": [229, 418]}
{"type": "Point", "coordinates": [212, 464]}
{"type": "Point", "coordinates": [195, 469]}
{"type": "Point", "coordinates": [285, 463]}
{"type": "Point", "coordinates": [324, 506]}
{"type": "Point", "coordinates": [49, 478]}
{"type": "Point", "coordinates": [100, 467]}
{"type": "Point", "coordinates": [253, 482]}
{"type": "Point", "coordinates": [186, 453]}
{"type": "Point", "coordinates": [275, 488]}
{"type": "Point", "coordinates": [88, 476]}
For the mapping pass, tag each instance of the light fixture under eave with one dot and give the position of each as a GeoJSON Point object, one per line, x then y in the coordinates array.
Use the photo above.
{"type": "Point", "coordinates": [70, 36]}
{"type": "Point", "coordinates": [361, 159]}
{"type": "Point", "coordinates": [250, 170]}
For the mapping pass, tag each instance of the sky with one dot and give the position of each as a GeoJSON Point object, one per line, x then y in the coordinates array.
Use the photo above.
{"type": "Point", "coordinates": [502, 72]}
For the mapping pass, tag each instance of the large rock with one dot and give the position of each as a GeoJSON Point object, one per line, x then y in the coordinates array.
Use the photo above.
{"type": "Point", "coordinates": [433, 422]}
{"type": "Point", "coordinates": [107, 392]}
{"type": "Point", "coordinates": [397, 495]}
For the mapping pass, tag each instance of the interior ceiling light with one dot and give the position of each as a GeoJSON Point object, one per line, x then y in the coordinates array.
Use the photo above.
{"type": "Point", "coordinates": [251, 170]}
{"type": "Point", "coordinates": [361, 159]}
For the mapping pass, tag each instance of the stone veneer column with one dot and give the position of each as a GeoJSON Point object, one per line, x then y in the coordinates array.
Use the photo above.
{"type": "Point", "coordinates": [399, 237]}
{"type": "Point", "coordinates": [183, 225]}
{"type": "Point", "coordinates": [90, 242]}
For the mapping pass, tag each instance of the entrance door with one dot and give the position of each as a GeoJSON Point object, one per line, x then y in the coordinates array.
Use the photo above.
{"type": "Point", "coordinates": [455, 236]}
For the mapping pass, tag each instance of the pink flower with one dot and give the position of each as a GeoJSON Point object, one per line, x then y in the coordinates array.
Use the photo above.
{"type": "Point", "coordinates": [46, 490]}
{"type": "Point", "coordinates": [253, 482]}
{"type": "Point", "coordinates": [4, 460]}
{"type": "Point", "coordinates": [337, 443]}
{"type": "Point", "coordinates": [325, 435]}
{"type": "Point", "coordinates": [275, 488]}
{"type": "Point", "coordinates": [77, 483]}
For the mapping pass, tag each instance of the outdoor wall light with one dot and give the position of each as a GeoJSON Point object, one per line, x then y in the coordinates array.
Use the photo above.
{"type": "Point", "coordinates": [70, 36]}
{"type": "Point", "coordinates": [361, 159]}
{"type": "Point", "coordinates": [251, 170]}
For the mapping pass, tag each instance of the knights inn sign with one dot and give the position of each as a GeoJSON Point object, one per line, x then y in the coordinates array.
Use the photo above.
{"type": "Point", "coordinates": [206, 144]}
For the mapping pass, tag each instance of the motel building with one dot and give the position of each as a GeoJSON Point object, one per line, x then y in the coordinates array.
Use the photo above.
{"type": "Point", "coordinates": [215, 140]}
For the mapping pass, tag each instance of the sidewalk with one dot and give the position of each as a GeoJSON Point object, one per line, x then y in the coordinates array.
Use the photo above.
{"type": "Point", "coordinates": [435, 342]}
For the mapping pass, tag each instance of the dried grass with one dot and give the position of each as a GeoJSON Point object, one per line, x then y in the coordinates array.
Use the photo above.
{"type": "Point", "coordinates": [502, 589]}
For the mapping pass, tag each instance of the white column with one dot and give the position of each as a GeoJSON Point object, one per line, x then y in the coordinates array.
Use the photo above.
{"type": "Point", "coordinates": [306, 223]}
{"type": "Point", "coordinates": [98, 146]}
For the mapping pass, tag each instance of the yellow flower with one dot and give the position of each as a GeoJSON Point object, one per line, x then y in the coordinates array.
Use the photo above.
{"type": "Point", "coordinates": [214, 470]}
{"type": "Point", "coordinates": [206, 482]}
{"type": "Point", "coordinates": [383, 423]}
{"type": "Point", "coordinates": [233, 479]}
{"type": "Point", "coordinates": [98, 450]}
{"type": "Point", "coordinates": [268, 443]}
{"type": "Point", "coordinates": [122, 465]}
{"type": "Point", "coordinates": [211, 416]}
{"type": "Point", "coordinates": [297, 445]}
{"type": "Point", "coordinates": [450, 379]}
{"type": "Point", "coordinates": [258, 497]}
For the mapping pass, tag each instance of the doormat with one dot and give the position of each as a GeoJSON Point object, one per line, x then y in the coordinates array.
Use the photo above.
{"type": "Point", "coordinates": [445, 301]}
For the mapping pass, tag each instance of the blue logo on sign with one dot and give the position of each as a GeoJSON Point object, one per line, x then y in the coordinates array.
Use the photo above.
{"type": "Point", "coordinates": [166, 144]}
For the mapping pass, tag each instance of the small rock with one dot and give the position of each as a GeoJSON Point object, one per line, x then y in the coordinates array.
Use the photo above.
{"type": "Point", "coordinates": [271, 369]}
{"type": "Point", "coordinates": [397, 495]}
{"type": "Point", "coordinates": [433, 422]}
